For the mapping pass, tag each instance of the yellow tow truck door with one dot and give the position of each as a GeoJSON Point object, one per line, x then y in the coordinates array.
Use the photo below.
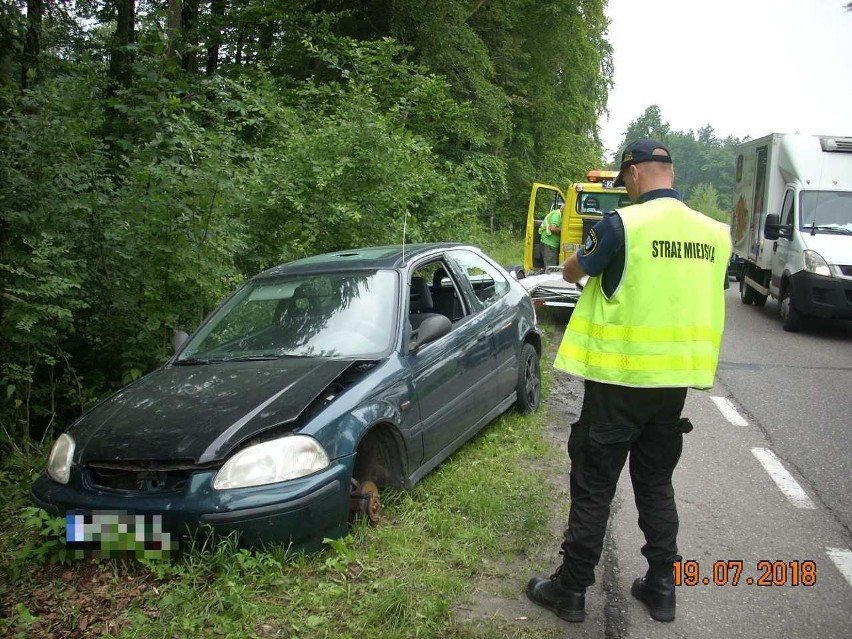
{"type": "Point", "coordinates": [543, 198]}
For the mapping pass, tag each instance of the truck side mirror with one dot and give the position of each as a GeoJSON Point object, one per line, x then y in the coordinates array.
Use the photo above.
{"type": "Point", "coordinates": [772, 227]}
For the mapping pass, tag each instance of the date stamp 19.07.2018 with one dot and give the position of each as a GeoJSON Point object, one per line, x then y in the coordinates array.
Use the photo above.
{"type": "Point", "coordinates": [736, 572]}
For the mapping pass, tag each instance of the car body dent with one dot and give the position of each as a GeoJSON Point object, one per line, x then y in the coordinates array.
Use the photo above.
{"type": "Point", "coordinates": [148, 420]}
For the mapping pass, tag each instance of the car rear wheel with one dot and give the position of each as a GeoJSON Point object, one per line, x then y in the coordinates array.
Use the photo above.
{"type": "Point", "coordinates": [529, 380]}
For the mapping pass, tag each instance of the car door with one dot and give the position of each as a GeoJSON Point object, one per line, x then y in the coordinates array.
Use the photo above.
{"type": "Point", "coordinates": [496, 322]}
{"type": "Point", "coordinates": [446, 372]}
{"type": "Point", "coordinates": [543, 198]}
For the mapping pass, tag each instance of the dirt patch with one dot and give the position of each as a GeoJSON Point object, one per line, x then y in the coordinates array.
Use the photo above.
{"type": "Point", "coordinates": [498, 595]}
{"type": "Point", "coordinates": [87, 600]}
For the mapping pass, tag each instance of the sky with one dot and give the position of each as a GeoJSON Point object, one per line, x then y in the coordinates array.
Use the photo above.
{"type": "Point", "coordinates": [745, 67]}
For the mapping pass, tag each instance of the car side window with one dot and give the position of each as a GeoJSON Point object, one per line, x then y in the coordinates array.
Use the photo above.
{"type": "Point", "coordinates": [432, 289]}
{"type": "Point", "coordinates": [487, 282]}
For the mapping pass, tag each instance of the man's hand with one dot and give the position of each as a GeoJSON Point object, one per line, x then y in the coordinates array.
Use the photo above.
{"type": "Point", "coordinates": [571, 270]}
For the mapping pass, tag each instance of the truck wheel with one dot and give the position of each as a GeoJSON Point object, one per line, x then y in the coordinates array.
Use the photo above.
{"type": "Point", "coordinates": [757, 298]}
{"type": "Point", "coordinates": [791, 319]}
{"type": "Point", "coordinates": [746, 293]}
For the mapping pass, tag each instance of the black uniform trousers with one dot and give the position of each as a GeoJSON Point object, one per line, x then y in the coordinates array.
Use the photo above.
{"type": "Point", "coordinates": [616, 421]}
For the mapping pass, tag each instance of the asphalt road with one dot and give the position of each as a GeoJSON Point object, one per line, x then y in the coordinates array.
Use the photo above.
{"type": "Point", "coordinates": [797, 389]}
{"type": "Point", "coordinates": [764, 488]}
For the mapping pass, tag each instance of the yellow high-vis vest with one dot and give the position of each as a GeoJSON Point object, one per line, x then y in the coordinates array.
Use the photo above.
{"type": "Point", "coordinates": [662, 327]}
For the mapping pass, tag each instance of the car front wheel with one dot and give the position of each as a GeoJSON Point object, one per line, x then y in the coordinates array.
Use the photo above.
{"type": "Point", "coordinates": [529, 380]}
{"type": "Point", "coordinates": [364, 502]}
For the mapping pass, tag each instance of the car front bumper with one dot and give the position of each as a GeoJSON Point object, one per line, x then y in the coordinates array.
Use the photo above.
{"type": "Point", "coordinates": [303, 511]}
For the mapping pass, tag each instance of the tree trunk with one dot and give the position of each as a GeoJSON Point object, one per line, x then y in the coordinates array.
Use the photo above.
{"type": "Point", "coordinates": [173, 26]}
{"type": "Point", "coordinates": [120, 66]}
{"type": "Point", "coordinates": [190, 34]}
{"type": "Point", "coordinates": [267, 35]}
{"type": "Point", "coordinates": [121, 58]}
{"type": "Point", "coordinates": [217, 13]}
{"type": "Point", "coordinates": [32, 43]}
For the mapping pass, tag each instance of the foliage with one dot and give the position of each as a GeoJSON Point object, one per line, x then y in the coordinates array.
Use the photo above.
{"type": "Point", "coordinates": [133, 203]}
{"type": "Point", "coordinates": [706, 199]}
{"type": "Point", "coordinates": [702, 161]}
{"type": "Point", "coordinates": [47, 542]}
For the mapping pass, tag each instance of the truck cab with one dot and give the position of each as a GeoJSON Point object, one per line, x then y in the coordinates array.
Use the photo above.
{"type": "Point", "coordinates": [583, 205]}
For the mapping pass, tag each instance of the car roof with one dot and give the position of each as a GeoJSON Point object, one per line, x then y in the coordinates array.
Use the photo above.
{"type": "Point", "coordinates": [368, 258]}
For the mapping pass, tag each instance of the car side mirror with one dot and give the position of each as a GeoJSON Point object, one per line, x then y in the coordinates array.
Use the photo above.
{"type": "Point", "coordinates": [516, 271]}
{"type": "Point", "coordinates": [178, 340]}
{"type": "Point", "coordinates": [430, 329]}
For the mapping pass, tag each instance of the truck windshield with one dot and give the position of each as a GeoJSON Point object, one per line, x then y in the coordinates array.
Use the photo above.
{"type": "Point", "coordinates": [591, 203]}
{"type": "Point", "coordinates": [826, 212]}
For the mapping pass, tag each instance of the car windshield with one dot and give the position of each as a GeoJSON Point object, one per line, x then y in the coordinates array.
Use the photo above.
{"type": "Point", "coordinates": [341, 315]}
{"type": "Point", "coordinates": [826, 212]}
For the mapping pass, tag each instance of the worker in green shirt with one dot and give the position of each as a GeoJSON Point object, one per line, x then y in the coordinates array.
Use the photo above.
{"type": "Point", "coordinates": [549, 231]}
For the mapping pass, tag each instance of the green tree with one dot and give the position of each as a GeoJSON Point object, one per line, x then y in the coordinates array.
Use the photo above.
{"type": "Point", "coordinates": [700, 158]}
{"type": "Point", "coordinates": [648, 125]}
{"type": "Point", "coordinates": [705, 199]}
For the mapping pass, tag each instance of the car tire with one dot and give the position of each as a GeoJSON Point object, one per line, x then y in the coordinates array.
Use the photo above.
{"type": "Point", "coordinates": [529, 380]}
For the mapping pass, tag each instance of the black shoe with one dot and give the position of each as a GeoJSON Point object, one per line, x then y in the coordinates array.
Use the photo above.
{"type": "Point", "coordinates": [569, 605]}
{"type": "Point", "coordinates": [658, 594]}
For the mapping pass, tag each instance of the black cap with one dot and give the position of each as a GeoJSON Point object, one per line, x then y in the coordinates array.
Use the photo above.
{"type": "Point", "coordinates": [641, 151]}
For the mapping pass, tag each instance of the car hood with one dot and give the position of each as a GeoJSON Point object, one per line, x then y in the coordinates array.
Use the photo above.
{"type": "Point", "coordinates": [200, 413]}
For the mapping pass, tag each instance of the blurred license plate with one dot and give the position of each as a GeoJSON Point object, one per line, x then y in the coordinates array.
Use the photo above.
{"type": "Point", "coordinates": [118, 533]}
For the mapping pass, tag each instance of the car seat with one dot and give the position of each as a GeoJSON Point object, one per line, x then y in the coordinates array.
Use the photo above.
{"type": "Point", "coordinates": [420, 304]}
{"type": "Point", "coordinates": [591, 204]}
{"type": "Point", "coordinates": [444, 296]}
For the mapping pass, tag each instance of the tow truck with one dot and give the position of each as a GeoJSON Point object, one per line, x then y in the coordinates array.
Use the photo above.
{"type": "Point", "coordinates": [582, 204]}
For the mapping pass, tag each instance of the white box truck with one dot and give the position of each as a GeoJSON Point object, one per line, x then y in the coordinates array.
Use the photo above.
{"type": "Point", "coordinates": [792, 225]}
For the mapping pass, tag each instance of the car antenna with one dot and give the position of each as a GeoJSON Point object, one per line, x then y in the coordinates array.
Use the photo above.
{"type": "Point", "coordinates": [404, 228]}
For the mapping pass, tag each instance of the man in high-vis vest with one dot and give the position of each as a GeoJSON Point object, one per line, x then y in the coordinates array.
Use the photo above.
{"type": "Point", "coordinates": [648, 326]}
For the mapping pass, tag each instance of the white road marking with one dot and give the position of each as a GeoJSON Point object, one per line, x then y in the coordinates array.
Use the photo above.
{"type": "Point", "coordinates": [728, 410]}
{"type": "Point", "coordinates": [789, 486]}
{"type": "Point", "coordinates": [842, 558]}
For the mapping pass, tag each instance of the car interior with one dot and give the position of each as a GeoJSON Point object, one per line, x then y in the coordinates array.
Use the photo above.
{"type": "Point", "coordinates": [433, 292]}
